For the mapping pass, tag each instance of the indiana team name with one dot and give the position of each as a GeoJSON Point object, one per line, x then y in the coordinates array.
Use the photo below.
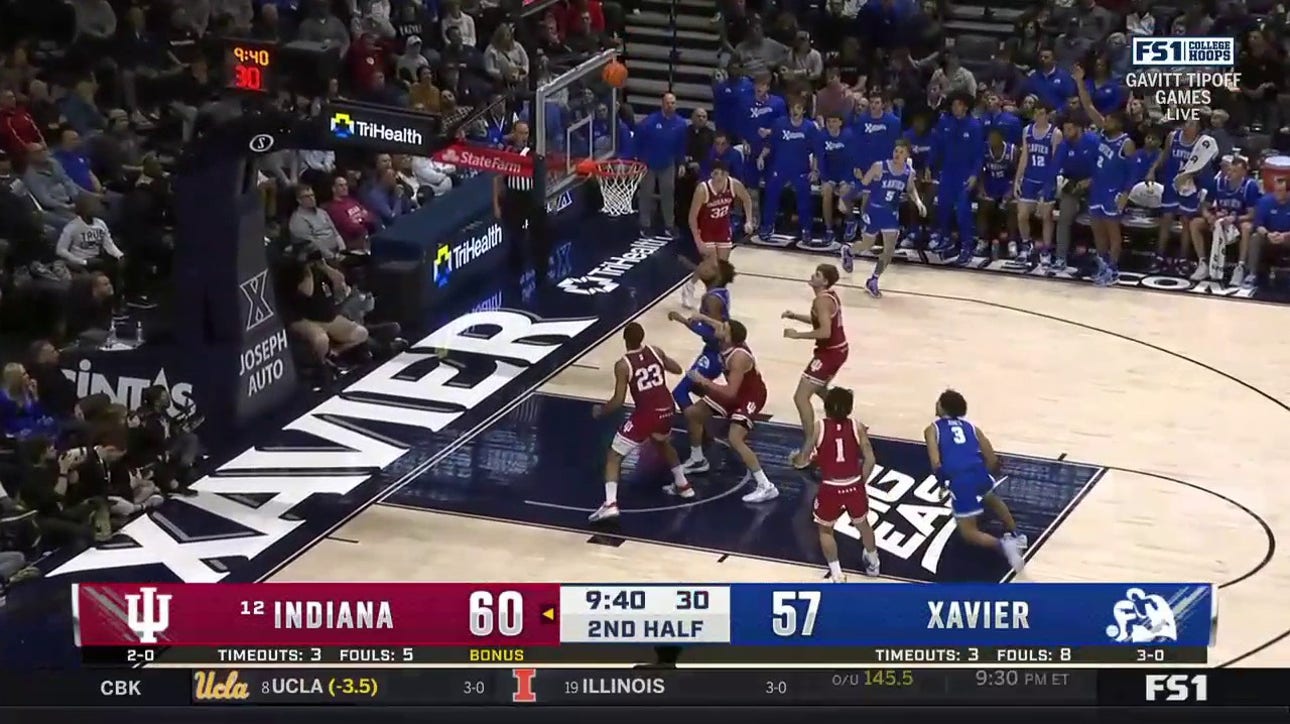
{"type": "Point", "coordinates": [978, 614]}
{"type": "Point", "coordinates": [332, 615]}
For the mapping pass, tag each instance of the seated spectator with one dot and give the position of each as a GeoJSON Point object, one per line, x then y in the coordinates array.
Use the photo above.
{"type": "Point", "coordinates": [366, 59]}
{"type": "Point", "coordinates": [21, 413]}
{"type": "Point", "coordinates": [383, 93]}
{"type": "Point", "coordinates": [572, 12]}
{"type": "Point", "coordinates": [22, 225]}
{"type": "Point", "coordinates": [96, 28]}
{"type": "Point", "coordinates": [270, 25]}
{"type": "Point", "coordinates": [453, 17]}
{"type": "Point", "coordinates": [354, 222]}
{"type": "Point", "coordinates": [80, 109]}
{"type": "Point", "coordinates": [505, 60]}
{"type": "Point", "coordinates": [550, 41]}
{"type": "Point", "coordinates": [71, 156]}
{"type": "Point", "coordinates": [1262, 72]}
{"type": "Point", "coordinates": [164, 443]}
{"type": "Point", "coordinates": [804, 62]}
{"type": "Point", "coordinates": [925, 31]}
{"type": "Point", "coordinates": [317, 167]}
{"type": "Point", "coordinates": [89, 307]}
{"type": "Point", "coordinates": [424, 176]}
{"type": "Point", "coordinates": [784, 29]}
{"type": "Point", "coordinates": [759, 54]}
{"type": "Point", "coordinates": [1052, 84]}
{"type": "Point", "coordinates": [1140, 21]}
{"type": "Point", "coordinates": [90, 472]}
{"type": "Point", "coordinates": [582, 36]}
{"type": "Point", "coordinates": [310, 224]}
{"type": "Point", "coordinates": [424, 94]}
{"type": "Point", "coordinates": [86, 244]}
{"type": "Point", "coordinates": [240, 14]}
{"type": "Point", "coordinates": [45, 486]}
{"type": "Point", "coordinates": [374, 15]}
{"type": "Point", "coordinates": [316, 304]}
{"type": "Point", "coordinates": [140, 57]}
{"type": "Point", "coordinates": [195, 93]}
{"type": "Point", "coordinates": [409, 64]}
{"type": "Point", "coordinates": [50, 185]}
{"type": "Point", "coordinates": [321, 26]}
{"type": "Point", "coordinates": [18, 129]}
{"type": "Point", "coordinates": [385, 197]}
{"type": "Point", "coordinates": [43, 109]}
{"type": "Point", "coordinates": [117, 152]}
{"type": "Point", "coordinates": [416, 19]}
{"type": "Point", "coordinates": [57, 393]}
{"type": "Point", "coordinates": [459, 56]}
{"type": "Point", "coordinates": [953, 76]}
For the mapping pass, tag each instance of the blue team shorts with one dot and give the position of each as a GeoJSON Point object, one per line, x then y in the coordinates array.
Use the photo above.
{"type": "Point", "coordinates": [966, 491]}
{"type": "Point", "coordinates": [1034, 191]}
{"type": "Point", "coordinates": [1101, 203]}
{"type": "Point", "coordinates": [708, 364]}
{"type": "Point", "coordinates": [1172, 201]}
{"type": "Point", "coordinates": [878, 219]}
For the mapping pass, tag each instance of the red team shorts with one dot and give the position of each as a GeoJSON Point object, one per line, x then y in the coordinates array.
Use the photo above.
{"type": "Point", "coordinates": [706, 247]}
{"type": "Point", "coordinates": [640, 428]}
{"type": "Point", "coordinates": [825, 364]}
{"type": "Point", "coordinates": [743, 409]}
{"type": "Point", "coordinates": [837, 496]}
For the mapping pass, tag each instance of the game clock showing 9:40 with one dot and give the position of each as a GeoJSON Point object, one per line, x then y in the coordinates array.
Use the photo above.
{"type": "Point", "coordinates": [252, 66]}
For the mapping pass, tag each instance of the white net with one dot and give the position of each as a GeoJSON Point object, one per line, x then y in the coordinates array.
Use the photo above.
{"type": "Point", "coordinates": [619, 180]}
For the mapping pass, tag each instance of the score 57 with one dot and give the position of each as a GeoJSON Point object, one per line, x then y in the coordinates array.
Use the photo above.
{"type": "Point", "coordinates": [788, 607]}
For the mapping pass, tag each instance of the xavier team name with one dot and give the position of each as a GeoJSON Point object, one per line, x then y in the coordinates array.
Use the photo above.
{"type": "Point", "coordinates": [1182, 94]}
{"type": "Point", "coordinates": [978, 614]}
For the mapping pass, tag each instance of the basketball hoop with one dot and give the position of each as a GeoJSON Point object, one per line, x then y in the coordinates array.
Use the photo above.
{"type": "Point", "coordinates": [618, 179]}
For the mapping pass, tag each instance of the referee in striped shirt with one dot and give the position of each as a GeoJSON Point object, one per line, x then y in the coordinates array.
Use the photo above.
{"type": "Point", "coordinates": [516, 204]}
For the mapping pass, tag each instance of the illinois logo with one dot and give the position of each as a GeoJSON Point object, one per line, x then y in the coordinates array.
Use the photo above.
{"type": "Point", "coordinates": [147, 614]}
{"type": "Point", "coordinates": [1142, 618]}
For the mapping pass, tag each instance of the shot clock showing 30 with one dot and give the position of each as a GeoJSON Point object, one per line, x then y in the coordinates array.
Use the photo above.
{"type": "Point", "coordinates": [251, 66]}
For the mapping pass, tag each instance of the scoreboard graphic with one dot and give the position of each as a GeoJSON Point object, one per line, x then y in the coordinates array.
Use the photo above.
{"type": "Point", "coordinates": [413, 624]}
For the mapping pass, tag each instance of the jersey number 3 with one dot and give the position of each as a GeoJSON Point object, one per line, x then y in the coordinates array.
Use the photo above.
{"type": "Point", "coordinates": [959, 436]}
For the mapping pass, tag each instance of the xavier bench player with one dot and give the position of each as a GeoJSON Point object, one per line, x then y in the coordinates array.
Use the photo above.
{"type": "Point", "coordinates": [1036, 184]}
{"type": "Point", "coordinates": [963, 459]}
{"type": "Point", "coordinates": [844, 456]}
{"type": "Point", "coordinates": [641, 370]}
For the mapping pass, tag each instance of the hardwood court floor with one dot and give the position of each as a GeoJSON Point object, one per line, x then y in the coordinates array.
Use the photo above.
{"type": "Point", "coordinates": [1182, 398]}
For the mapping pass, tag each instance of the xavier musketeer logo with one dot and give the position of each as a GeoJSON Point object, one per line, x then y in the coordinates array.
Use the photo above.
{"type": "Point", "coordinates": [1143, 618]}
{"type": "Point", "coordinates": [256, 291]}
{"type": "Point", "coordinates": [147, 614]}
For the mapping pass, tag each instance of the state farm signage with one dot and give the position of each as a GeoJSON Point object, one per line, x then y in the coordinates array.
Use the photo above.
{"type": "Point", "coordinates": [482, 158]}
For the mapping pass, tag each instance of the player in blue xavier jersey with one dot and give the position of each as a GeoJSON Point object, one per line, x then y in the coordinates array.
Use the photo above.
{"type": "Point", "coordinates": [994, 192]}
{"type": "Point", "coordinates": [1179, 146]}
{"type": "Point", "coordinates": [757, 117]}
{"type": "Point", "coordinates": [1109, 190]}
{"type": "Point", "coordinates": [790, 160]}
{"type": "Point", "coordinates": [837, 155]}
{"type": "Point", "coordinates": [919, 138]}
{"type": "Point", "coordinates": [1036, 185]}
{"type": "Point", "coordinates": [888, 183]}
{"type": "Point", "coordinates": [1228, 212]}
{"type": "Point", "coordinates": [963, 461]}
{"type": "Point", "coordinates": [715, 304]}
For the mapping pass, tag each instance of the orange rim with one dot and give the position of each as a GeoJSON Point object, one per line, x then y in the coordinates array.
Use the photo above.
{"type": "Point", "coordinates": [619, 168]}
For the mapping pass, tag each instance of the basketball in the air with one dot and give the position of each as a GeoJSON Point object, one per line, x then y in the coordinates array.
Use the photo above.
{"type": "Point", "coordinates": [615, 74]}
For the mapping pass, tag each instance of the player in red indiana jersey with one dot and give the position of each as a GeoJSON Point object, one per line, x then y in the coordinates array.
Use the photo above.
{"type": "Point", "coordinates": [640, 371]}
{"type": "Point", "coordinates": [844, 456]}
{"type": "Point", "coordinates": [710, 209]}
{"type": "Point", "coordinates": [739, 400]}
{"type": "Point", "coordinates": [830, 352]}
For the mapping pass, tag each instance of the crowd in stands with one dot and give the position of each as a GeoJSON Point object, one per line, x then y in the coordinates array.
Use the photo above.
{"type": "Point", "coordinates": [875, 63]}
{"type": "Point", "coordinates": [98, 101]}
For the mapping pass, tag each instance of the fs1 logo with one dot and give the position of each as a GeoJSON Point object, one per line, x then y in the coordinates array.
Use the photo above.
{"type": "Point", "coordinates": [1184, 52]}
{"type": "Point", "coordinates": [147, 614]}
{"type": "Point", "coordinates": [1177, 687]}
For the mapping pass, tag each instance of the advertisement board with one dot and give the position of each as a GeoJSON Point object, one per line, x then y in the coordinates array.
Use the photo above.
{"type": "Point", "coordinates": [384, 130]}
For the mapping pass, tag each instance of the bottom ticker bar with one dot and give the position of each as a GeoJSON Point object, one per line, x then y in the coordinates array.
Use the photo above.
{"type": "Point", "coordinates": [589, 654]}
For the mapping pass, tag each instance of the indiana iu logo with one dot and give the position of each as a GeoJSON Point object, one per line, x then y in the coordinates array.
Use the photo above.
{"type": "Point", "coordinates": [148, 614]}
{"type": "Point", "coordinates": [1141, 618]}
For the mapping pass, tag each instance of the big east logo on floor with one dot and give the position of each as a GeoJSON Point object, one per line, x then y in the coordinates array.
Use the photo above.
{"type": "Point", "coordinates": [254, 512]}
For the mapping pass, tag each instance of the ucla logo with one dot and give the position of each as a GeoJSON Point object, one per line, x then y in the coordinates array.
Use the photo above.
{"type": "Point", "coordinates": [1142, 618]}
{"type": "Point", "coordinates": [147, 614]}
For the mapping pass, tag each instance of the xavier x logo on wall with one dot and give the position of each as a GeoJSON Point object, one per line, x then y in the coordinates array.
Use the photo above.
{"type": "Point", "coordinates": [256, 290]}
